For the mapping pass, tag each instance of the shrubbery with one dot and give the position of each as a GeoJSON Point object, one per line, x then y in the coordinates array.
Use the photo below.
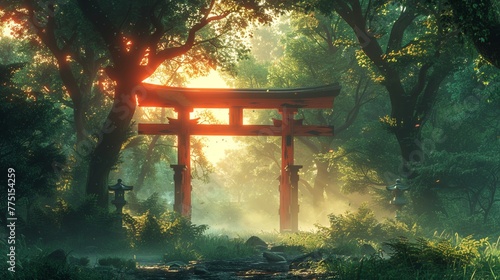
{"type": "Point", "coordinates": [455, 258]}
{"type": "Point", "coordinates": [152, 232]}
{"type": "Point", "coordinates": [84, 225]}
{"type": "Point", "coordinates": [347, 232]}
{"type": "Point", "coordinates": [406, 256]}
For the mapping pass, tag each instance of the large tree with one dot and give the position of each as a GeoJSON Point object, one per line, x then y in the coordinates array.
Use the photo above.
{"type": "Point", "coordinates": [409, 47]}
{"type": "Point", "coordinates": [137, 37]}
{"type": "Point", "coordinates": [140, 37]}
{"type": "Point", "coordinates": [65, 63]}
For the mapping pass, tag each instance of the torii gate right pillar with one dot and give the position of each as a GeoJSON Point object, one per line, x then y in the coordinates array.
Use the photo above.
{"type": "Point", "coordinates": [183, 168]}
{"type": "Point", "coordinates": [288, 217]}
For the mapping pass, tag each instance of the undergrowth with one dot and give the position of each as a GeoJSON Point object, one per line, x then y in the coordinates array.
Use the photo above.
{"type": "Point", "coordinates": [454, 258]}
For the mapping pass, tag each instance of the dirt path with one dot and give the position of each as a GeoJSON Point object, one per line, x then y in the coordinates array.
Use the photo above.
{"type": "Point", "coordinates": [256, 267]}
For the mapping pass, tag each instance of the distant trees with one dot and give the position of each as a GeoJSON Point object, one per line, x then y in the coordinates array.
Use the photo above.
{"type": "Point", "coordinates": [410, 51]}
{"type": "Point", "coordinates": [30, 124]}
{"type": "Point", "coordinates": [462, 163]}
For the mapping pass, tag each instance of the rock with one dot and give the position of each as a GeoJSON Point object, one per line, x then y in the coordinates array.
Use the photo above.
{"type": "Point", "coordinates": [305, 259]}
{"type": "Point", "coordinates": [260, 248]}
{"type": "Point", "coordinates": [58, 256]}
{"type": "Point", "coordinates": [288, 248]}
{"type": "Point", "coordinates": [176, 265]}
{"type": "Point", "coordinates": [273, 257]}
{"type": "Point", "coordinates": [255, 241]}
{"type": "Point", "coordinates": [200, 270]}
{"type": "Point", "coordinates": [83, 261]}
{"type": "Point", "coordinates": [279, 248]}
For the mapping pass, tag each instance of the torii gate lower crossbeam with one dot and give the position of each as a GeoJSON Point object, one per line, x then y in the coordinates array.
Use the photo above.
{"type": "Point", "coordinates": [183, 100]}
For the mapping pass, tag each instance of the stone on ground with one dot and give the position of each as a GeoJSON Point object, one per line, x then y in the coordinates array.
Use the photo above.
{"type": "Point", "coordinates": [58, 256]}
{"type": "Point", "coordinates": [273, 257]}
{"type": "Point", "coordinates": [255, 241]}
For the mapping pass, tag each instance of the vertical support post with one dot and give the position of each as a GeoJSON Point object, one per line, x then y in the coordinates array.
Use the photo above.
{"type": "Point", "coordinates": [179, 170]}
{"type": "Point", "coordinates": [294, 195]}
{"type": "Point", "coordinates": [287, 115]}
{"type": "Point", "coordinates": [184, 158]}
{"type": "Point", "coordinates": [236, 116]}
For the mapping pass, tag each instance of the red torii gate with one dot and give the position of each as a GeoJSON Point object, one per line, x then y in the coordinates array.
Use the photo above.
{"type": "Point", "coordinates": [287, 101]}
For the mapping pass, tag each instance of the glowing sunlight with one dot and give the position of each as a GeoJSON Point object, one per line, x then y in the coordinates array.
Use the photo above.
{"type": "Point", "coordinates": [212, 80]}
{"type": "Point", "coordinates": [216, 145]}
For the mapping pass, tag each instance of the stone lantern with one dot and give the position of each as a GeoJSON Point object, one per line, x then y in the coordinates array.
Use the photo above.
{"type": "Point", "coordinates": [398, 199]}
{"type": "Point", "coordinates": [119, 190]}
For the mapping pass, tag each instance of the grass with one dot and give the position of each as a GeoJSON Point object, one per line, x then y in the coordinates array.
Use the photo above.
{"type": "Point", "coordinates": [39, 267]}
{"type": "Point", "coordinates": [447, 259]}
{"type": "Point", "coordinates": [442, 257]}
{"type": "Point", "coordinates": [208, 247]}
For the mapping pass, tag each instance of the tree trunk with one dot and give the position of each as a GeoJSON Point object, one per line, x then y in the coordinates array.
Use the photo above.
{"type": "Point", "coordinates": [110, 139]}
{"type": "Point", "coordinates": [320, 183]}
{"type": "Point", "coordinates": [408, 137]}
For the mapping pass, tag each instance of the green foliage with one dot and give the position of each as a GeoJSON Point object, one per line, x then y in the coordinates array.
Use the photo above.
{"type": "Point", "coordinates": [301, 241]}
{"type": "Point", "coordinates": [471, 177]}
{"type": "Point", "coordinates": [82, 225]}
{"type": "Point", "coordinates": [479, 20]}
{"type": "Point", "coordinates": [310, 55]}
{"type": "Point", "coordinates": [459, 147]}
{"type": "Point", "coordinates": [251, 74]}
{"type": "Point", "coordinates": [154, 204]}
{"type": "Point", "coordinates": [348, 232]}
{"type": "Point", "coordinates": [29, 125]}
{"type": "Point", "coordinates": [222, 247]}
{"type": "Point", "coordinates": [156, 233]}
{"type": "Point", "coordinates": [148, 231]}
{"type": "Point", "coordinates": [360, 225]}
{"type": "Point", "coordinates": [184, 252]}
{"type": "Point", "coordinates": [456, 258]}
{"type": "Point", "coordinates": [208, 247]}
{"type": "Point", "coordinates": [363, 164]}
{"type": "Point", "coordinates": [38, 266]}
{"type": "Point", "coordinates": [442, 253]}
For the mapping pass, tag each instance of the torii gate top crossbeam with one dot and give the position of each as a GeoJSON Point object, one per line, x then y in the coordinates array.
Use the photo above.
{"type": "Point", "coordinates": [311, 97]}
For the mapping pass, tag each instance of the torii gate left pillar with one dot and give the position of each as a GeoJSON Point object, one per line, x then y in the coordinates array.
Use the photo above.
{"type": "Point", "coordinates": [182, 171]}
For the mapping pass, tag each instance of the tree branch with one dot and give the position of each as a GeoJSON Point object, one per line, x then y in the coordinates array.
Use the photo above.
{"type": "Point", "coordinates": [169, 53]}
{"type": "Point", "coordinates": [109, 32]}
{"type": "Point", "coordinates": [422, 78]}
{"type": "Point", "coordinates": [427, 99]}
{"type": "Point", "coordinates": [398, 29]}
